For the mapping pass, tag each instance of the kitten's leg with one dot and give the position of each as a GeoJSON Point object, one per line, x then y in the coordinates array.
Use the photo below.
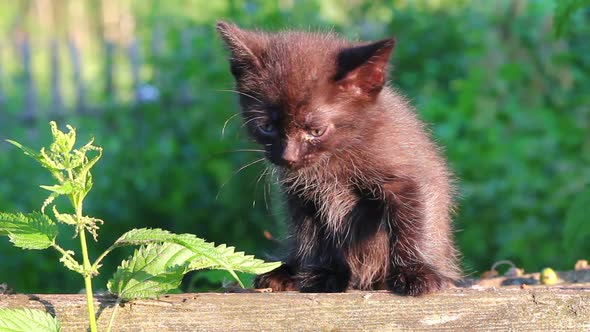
{"type": "Point", "coordinates": [280, 279]}
{"type": "Point", "coordinates": [327, 273]}
{"type": "Point", "coordinates": [414, 279]}
{"type": "Point", "coordinates": [321, 266]}
{"type": "Point", "coordinates": [409, 273]}
{"type": "Point", "coordinates": [325, 277]}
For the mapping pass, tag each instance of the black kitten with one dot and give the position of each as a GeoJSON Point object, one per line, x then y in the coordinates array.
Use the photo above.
{"type": "Point", "coordinates": [368, 192]}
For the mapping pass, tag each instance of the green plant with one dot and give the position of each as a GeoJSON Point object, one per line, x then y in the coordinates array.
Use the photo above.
{"type": "Point", "coordinates": [576, 233]}
{"type": "Point", "coordinates": [506, 100]}
{"type": "Point", "coordinates": [27, 320]}
{"type": "Point", "coordinates": [155, 268]}
{"type": "Point", "coordinates": [564, 10]}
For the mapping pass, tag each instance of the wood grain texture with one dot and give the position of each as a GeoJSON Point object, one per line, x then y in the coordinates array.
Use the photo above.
{"type": "Point", "coordinates": [462, 309]}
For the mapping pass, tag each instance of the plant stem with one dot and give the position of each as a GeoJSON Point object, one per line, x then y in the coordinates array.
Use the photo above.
{"type": "Point", "coordinates": [87, 270]}
{"type": "Point", "coordinates": [101, 257]}
{"type": "Point", "coordinates": [113, 314]}
{"type": "Point", "coordinates": [60, 249]}
{"type": "Point", "coordinates": [88, 281]}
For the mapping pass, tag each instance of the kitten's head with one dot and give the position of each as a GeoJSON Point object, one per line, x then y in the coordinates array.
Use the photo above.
{"type": "Point", "coordinates": [305, 96]}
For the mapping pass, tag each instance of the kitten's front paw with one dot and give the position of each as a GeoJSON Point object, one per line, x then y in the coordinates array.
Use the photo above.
{"type": "Point", "coordinates": [414, 280]}
{"type": "Point", "coordinates": [323, 280]}
{"type": "Point", "coordinates": [279, 279]}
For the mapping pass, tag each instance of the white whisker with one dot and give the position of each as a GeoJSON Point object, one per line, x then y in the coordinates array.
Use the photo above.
{"type": "Point", "coordinates": [225, 124]}
{"type": "Point", "coordinates": [236, 172]}
{"type": "Point", "coordinates": [256, 185]}
{"type": "Point", "coordinates": [250, 120]}
{"type": "Point", "coordinates": [240, 93]}
{"type": "Point", "coordinates": [248, 150]}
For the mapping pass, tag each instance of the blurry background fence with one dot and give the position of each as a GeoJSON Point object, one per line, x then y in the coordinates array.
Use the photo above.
{"type": "Point", "coordinates": [148, 79]}
{"type": "Point", "coordinates": [61, 57]}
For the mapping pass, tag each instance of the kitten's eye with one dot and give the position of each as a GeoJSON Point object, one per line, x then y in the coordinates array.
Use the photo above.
{"type": "Point", "coordinates": [267, 128]}
{"type": "Point", "coordinates": [317, 132]}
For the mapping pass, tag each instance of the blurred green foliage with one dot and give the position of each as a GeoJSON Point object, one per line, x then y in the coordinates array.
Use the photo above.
{"type": "Point", "coordinates": [564, 10]}
{"type": "Point", "coordinates": [507, 100]}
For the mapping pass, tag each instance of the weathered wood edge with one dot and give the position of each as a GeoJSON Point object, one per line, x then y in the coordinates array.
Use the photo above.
{"type": "Point", "coordinates": [461, 309]}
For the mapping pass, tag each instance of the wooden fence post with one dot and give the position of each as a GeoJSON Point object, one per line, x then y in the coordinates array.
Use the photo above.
{"type": "Point", "coordinates": [78, 81]}
{"type": "Point", "coordinates": [157, 49]}
{"type": "Point", "coordinates": [56, 96]}
{"type": "Point", "coordinates": [109, 87]}
{"type": "Point", "coordinates": [157, 43]}
{"type": "Point", "coordinates": [2, 93]}
{"type": "Point", "coordinates": [135, 61]}
{"type": "Point", "coordinates": [29, 85]}
{"type": "Point", "coordinates": [187, 47]}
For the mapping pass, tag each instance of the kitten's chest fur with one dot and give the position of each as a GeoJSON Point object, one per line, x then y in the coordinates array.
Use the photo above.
{"type": "Point", "coordinates": [335, 196]}
{"type": "Point", "coordinates": [351, 215]}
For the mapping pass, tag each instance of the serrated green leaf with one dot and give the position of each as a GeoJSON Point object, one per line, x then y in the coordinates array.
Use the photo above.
{"type": "Point", "coordinates": [28, 231]}
{"type": "Point", "coordinates": [52, 161]}
{"type": "Point", "coordinates": [48, 201]}
{"type": "Point", "coordinates": [66, 218]}
{"type": "Point", "coordinates": [57, 190]}
{"type": "Point", "coordinates": [86, 162]}
{"type": "Point", "coordinates": [207, 255]}
{"type": "Point", "coordinates": [223, 257]}
{"type": "Point", "coordinates": [63, 189]}
{"type": "Point", "coordinates": [151, 271]}
{"type": "Point", "coordinates": [144, 236]}
{"type": "Point", "coordinates": [88, 184]}
{"type": "Point", "coordinates": [27, 320]}
{"type": "Point", "coordinates": [206, 251]}
{"type": "Point", "coordinates": [28, 151]}
{"type": "Point", "coordinates": [62, 142]}
{"type": "Point", "coordinates": [69, 262]}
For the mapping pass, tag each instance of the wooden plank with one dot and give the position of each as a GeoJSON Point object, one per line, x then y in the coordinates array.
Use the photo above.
{"type": "Point", "coordinates": [461, 309]}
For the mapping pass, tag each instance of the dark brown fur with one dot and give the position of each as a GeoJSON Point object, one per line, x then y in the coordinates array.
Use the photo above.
{"type": "Point", "coordinates": [368, 192]}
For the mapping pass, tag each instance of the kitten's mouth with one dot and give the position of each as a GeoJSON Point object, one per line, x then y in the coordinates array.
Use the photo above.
{"type": "Point", "coordinates": [293, 166]}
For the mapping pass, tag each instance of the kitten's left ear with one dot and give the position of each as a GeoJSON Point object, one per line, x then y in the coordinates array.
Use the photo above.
{"type": "Point", "coordinates": [245, 47]}
{"type": "Point", "coordinates": [363, 69]}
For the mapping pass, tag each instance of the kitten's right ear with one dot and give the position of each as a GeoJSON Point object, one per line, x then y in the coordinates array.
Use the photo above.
{"type": "Point", "coordinates": [363, 69]}
{"type": "Point", "coordinates": [245, 47]}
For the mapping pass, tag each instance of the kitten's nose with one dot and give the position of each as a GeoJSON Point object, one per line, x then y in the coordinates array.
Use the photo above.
{"type": "Point", "coordinates": [291, 154]}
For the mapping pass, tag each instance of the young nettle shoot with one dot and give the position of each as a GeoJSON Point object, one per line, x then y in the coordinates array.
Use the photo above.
{"type": "Point", "coordinates": [163, 256]}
